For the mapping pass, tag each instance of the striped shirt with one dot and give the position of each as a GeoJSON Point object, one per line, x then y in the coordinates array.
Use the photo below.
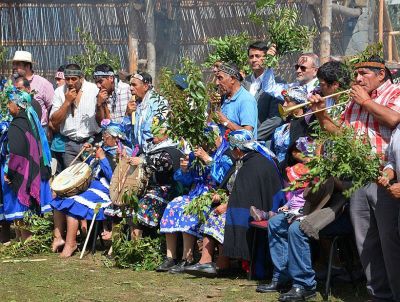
{"type": "Point", "coordinates": [118, 101]}
{"type": "Point", "coordinates": [363, 122]}
{"type": "Point", "coordinates": [83, 124]}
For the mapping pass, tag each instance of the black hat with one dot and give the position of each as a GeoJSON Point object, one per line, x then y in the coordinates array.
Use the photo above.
{"type": "Point", "coordinates": [231, 69]}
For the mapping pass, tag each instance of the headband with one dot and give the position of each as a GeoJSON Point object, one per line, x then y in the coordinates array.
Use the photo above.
{"type": "Point", "coordinates": [59, 75]}
{"type": "Point", "coordinates": [370, 65]}
{"type": "Point", "coordinates": [141, 78]}
{"type": "Point", "coordinates": [230, 71]}
{"type": "Point", "coordinates": [72, 73]}
{"type": "Point", "coordinates": [102, 74]}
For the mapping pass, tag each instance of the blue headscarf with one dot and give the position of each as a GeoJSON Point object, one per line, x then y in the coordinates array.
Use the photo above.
{"type": "Point", "coordinates": [114, 129]}
{"type": "Point", "coordinates": [244, 140]}
{"type": "Point", "coordinates": [24, 100]}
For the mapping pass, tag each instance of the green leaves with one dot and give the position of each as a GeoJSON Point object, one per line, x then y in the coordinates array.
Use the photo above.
{"type": "Point", "coordinates": [40, 241]}
{"type": "Point", "coordinates": [140, 254]}
{"type": "Point", "coordinates": [93, 55]}
{"type": "Point", "coordinates": [346, 156]}
{"type": "Point", "coordinates": [283, 29]}
{"type": "Point", "coordinates": [230, 49]}
{"type": "Point", "coordinates": [187, 116]}
{"type": "Point", "coordinates": [200, 205]}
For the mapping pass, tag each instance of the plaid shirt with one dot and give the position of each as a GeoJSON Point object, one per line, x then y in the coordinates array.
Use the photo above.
{"type": "Point", "coordinates": [363, 122]}
{"type": "Point", "coordinates": [118, 101]}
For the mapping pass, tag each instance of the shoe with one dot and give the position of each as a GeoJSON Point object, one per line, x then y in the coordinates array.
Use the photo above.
{"type": "Point", "coordinates": [207, 270]}
{"type": "Point", "coordinates": [257, 214]}
{"type": "Point", "coordinates": [179, 268]}
{"type": "Point", "coordinates": [166, 265]}
{"type": "Point", "coordinates": [271, 287]}
{"type": "Point", "coordinates": [297, 294]}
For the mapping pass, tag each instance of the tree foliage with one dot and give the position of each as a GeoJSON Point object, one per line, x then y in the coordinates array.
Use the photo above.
{"type": "Point", "coordinates": [230, 49]}
{"type": "Point", "coordinates": [93, 55]}
{"type": "Point", "coordinates": [282, 28]}
{"type": "Point", "coordinates": [200, 205]}
{"type": "Point", "coordinates": [347, 156]}
{"type": "Point", "coordinates": [187, 115]}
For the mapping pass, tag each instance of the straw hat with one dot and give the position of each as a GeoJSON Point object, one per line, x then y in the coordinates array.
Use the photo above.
{"type": "Point", "coordinates": [23, 56]}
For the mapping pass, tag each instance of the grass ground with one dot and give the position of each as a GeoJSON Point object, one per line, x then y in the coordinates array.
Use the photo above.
{"type": "Point", "coordinates": [89, 280]}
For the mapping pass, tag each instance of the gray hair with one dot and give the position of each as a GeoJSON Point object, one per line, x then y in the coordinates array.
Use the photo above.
{"type": "Point", "coordinates": [314, 57]}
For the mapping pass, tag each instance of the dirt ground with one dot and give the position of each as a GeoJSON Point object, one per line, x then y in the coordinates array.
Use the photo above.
{"type": "Point", "coordinates": [89, 280]}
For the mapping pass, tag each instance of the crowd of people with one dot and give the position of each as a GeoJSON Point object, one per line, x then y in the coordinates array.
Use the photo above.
{"type": "Point", "coordinates": [255, 155]}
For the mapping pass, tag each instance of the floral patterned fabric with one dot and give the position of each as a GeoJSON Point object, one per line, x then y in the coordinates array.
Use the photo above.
{"type": "Point", "coordinates": [174, 220]}
{"type": "Point", "coordinates": [215, 226]}
{"type": "Point", "coordinates": [152, 206]}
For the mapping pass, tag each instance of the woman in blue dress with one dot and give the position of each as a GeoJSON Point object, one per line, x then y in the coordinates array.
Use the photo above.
{"type": "Point", "coordinates": [25, 162]}
{"type": "Point", "coordinates": [174, 220]}
{"type": "Point", "coordinates": [82, 206]}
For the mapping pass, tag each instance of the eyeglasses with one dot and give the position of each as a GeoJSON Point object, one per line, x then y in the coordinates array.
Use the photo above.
{"type": "Point", "coordinates": [302, 67]}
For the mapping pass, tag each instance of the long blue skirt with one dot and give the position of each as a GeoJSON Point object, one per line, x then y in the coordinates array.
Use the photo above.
{"type": "Point", "coordinates": [174, 220]}
{"type": "Point", "coordinates": [82, 206]}
{"type": "Point", "coordinates": [11, 208]}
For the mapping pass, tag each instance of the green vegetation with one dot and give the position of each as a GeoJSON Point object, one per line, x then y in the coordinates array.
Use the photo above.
{"type": "Point", "coordinates": [93, 55]}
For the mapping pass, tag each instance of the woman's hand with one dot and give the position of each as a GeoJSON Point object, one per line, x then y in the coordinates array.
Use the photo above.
{"type": "Point", "coordinates": [135, 161]}
{"type": "Point", "coordinates": [100, 154]}
{"type": "Point", "coordinates": [283, 209]}
{"type": "Point", "coordinates": [87, 146]}
{"type": "Point", "coordinates": [203, 155]}
{"type": "Point", "coordinates": [216, 198]}
{"type": "Point", "coordinates": [221, 209]}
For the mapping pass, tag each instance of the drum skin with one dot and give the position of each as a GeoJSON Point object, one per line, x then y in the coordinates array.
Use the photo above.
{"type": "Point", "coordinates": [127, 179]}
{"type": "Point", "coordinates": [73, 180]}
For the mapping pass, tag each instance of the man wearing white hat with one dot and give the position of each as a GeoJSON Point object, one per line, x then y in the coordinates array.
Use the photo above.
{"type": "Point", "coordinates": [44, 91]}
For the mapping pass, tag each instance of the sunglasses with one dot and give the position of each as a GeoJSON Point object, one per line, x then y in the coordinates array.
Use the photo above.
{"type": "Point", "coordinates": [302, 68]}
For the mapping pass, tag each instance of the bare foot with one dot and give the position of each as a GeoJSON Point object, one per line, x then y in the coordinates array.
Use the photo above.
{"type": "Point", "coordinates": [106, 235]}
{"type": "Point", "coordinates": [57, 244]}
{"type": "Point", "coordinates": [68, 251]}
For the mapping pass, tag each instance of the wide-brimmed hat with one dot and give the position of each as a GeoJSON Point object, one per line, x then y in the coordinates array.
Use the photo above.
{"type": "Point", "coordinates": [317, 200]}
{"type": "Point", "coordinates": [22, 56]}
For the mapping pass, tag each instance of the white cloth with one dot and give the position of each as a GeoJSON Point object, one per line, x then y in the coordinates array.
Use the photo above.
{"type": "Point", "coordinates": [255, 83]}
{"type": "Point", "coordinates": [83, 124]}
{"type": "Point", "coordinates": [394, 153]}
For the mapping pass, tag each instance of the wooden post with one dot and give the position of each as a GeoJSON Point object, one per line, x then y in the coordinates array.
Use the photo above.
{"type": "Point", "coordinates": [151, 38]}
{"type": "Point", "coordinates": [380, 21]}
{"type": "Point", "coordinates": [133, 37]}
{"type": "Point", "coordinates": [326, 25]}
{"type": "Point", "coordinates": [390, 47]}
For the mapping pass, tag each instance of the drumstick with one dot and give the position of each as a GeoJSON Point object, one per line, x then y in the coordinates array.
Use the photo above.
{"type": "Point", "coordinates": [79, 154]}
{"type": "Point", "coordinates": [96, 210]}
{"type": "Point", "coordinates": [90, 141]}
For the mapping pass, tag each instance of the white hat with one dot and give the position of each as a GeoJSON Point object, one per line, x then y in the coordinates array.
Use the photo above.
{"type": "Point", "coordinates": [22, 56]}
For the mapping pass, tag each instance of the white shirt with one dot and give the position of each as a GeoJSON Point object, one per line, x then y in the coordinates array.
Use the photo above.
{"type": "Point", "coordinates": [83, 124]}
{"type": "Point", "coordinates": [394, 153]}
{"type": "Point", "coordinates": [255, 83]}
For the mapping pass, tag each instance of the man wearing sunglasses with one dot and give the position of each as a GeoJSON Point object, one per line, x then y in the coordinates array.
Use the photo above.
{"type": "Point", "coordinates": [306, 75]}
{"type": "Point", "coordinates": [113, 96]}
{"type": "Point", "coordinates": [74, 111]}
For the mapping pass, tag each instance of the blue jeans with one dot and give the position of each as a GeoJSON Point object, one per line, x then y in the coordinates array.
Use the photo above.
{"type": "Point", "coordinates": [290, 253]}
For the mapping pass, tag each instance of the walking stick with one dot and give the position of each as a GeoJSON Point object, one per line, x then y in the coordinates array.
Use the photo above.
{"type": "Point", "coordinates": [96, 210]}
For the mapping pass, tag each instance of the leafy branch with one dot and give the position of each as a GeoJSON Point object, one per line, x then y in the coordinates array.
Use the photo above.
{"type": "Point", "coordinates": [187, 115]}
{"type": "Point", "coordinates": [230, 49]}
{"type": "Point", "coordinates": [346, 156]}
{"type": "Point", "coordinates": [200, 205]}
{"type": "Point", "coordinates": [93, 55]}
{"type": "Point", "coordinates": [283, 29]}
{"type": "Point", "coordinates": [40, 241]}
